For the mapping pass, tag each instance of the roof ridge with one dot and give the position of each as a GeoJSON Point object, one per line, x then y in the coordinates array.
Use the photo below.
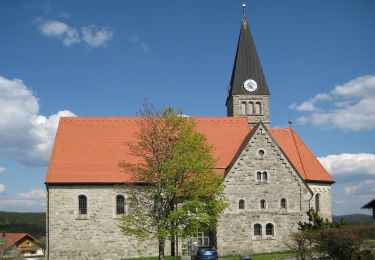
{"type": "Point", "coordinates": [298, 152]}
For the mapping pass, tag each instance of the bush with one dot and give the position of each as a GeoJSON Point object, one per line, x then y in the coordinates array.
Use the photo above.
{"type": "Point", "coordinates": [344, 243]}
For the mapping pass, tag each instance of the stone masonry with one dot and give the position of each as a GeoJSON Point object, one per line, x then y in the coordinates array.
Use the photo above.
{"type": "Point", "coordinates": [235, 234]}
{"type": "Point", "coordinates": [234, 108]}
{"type": "Point", "coordinates": [96, 236]}
{"type": "Point", "coordinates": [324, 191]}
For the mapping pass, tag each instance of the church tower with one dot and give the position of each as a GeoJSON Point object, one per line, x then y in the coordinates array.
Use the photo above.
{"type": "Point", "coordinates": [248, 93]}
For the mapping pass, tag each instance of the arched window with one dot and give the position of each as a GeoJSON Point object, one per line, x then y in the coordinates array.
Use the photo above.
{"type": "Point", "coordinates": [251, 108]}
{"type": "Point", "coordinates": [82, 204]}
{"type": "Point", "coordinates": [283, 203]}
{"type": "Point", "coordinates": [120, 204]}
{"type": "Point", "coordinates": [269, 229]}
{"type": "Point", "coordinates": [241, 204]}
{"type": "Point", "coordinates": [258, 108]}
{"type": "Point", "coordinates": [317, 202]}
{"type": "Point", "coordinates": [257, 230]}
{"type": "Point", "coordinates": [259, 176]}
{"type": "Point", "coordinates": [265, 176]}
{"type": "Point", "coordinates": [243, 108]}
{"type": "Point", "coordinates": [263, 204]}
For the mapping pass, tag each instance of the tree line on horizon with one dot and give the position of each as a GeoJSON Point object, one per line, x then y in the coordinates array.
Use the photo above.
{"type": "Point", "coordinates": [23, 222]}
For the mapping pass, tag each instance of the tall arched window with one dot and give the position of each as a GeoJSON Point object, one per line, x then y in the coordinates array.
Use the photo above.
{"type": "Point", "coordinates": [257, 230]}
{"type": "Point", "coordinates": [82, 204]}
{"type": "Point", "coordinates": [283, 203]}
{"type": "Point", "coordinates": [263, 204]}
{"type": "Point", "coordinates": [259, 176]}
{"type": "Point", "coordinates": [258, 108]}
{"type": "Point", "coordinates": [251, 108]}
{"type": "Point", "coordinates": [241, 204]}
{"type": "Point", "coordinates": [265, 176]}
{"type": "Point", "coordinates": [243, 108]}
{"type": "Point", "coordinates": [269, 229]}
{"type": "Point", "coordinates": [317, 202]}
{"type": "Point", "coordinates": [120, 204]}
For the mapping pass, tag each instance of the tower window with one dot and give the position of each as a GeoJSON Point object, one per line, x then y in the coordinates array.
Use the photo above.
{"type": "Point", "coordinates": [251, 108]}
{"type": "Point", "coordinates": [283, 203]}
{"type": "Point", "coordinates": [259, 176]}
{"type": "Point", "coordinates": [260, 153]}
{"type": "Point", "coordinates": [269, 229]}
{"type": "Point", "coordinates": [241, 204]}
{"type": "Point", "coordinates": [82, 204]}
{"type": "Point", "coordinates": [257, 230]}
{"type": "Point", "coordinates": [243, 108]}
{"type": "Point", "coordinates": [317, 202]}
{"type": "Point", "coordinates": [120, 204]}
{"type": "Point", "coordinates": [263, 204]}
{"type": "Point", "coordinates": [258, 108]}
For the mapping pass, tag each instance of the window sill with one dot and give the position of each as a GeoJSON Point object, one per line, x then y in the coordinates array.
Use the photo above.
{"type": "Point", "coordinates": [82, 217]}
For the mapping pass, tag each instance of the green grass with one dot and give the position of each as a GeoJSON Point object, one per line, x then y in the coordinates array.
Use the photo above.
{"type": "Point", "coordinates": [268, 256]}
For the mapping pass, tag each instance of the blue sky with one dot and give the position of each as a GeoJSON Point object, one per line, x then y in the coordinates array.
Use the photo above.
{"type": "Point", "coordinates": [100, 58]}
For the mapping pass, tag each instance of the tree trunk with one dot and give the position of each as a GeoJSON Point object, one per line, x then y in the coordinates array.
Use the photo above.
{"type": "Point", "coordinates": [173, 250]}
{"type": "Point", "coordinates": [161, 248]}
{"type": "Point", "coordinates": [177, 247]}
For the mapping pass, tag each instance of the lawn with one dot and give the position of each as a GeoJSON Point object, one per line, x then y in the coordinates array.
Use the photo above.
{"type": "Point", "coordinates": [269, 256]}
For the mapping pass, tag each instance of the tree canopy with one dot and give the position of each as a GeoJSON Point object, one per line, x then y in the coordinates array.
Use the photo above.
{"type": "Point", "coordinates": [181, 194]}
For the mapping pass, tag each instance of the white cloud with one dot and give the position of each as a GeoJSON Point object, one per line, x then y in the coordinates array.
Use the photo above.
{"type": "Point", "coordinates": [33, 194]}
{"type": "Point", "coordinates": [361, 188]}
{"type": "Point", "coordinates": [361, 164]}
{"type": "Point", "coordinates": [25, 135]}
{"type": "Point", "coordinates": [92, 35]}
{"type": "Point", "coordinates": [22, 203]}
{"type": "Point", "coordinates": [2, 188]}
{"type": "Point", "coordinates": [135, 39]}
{"type": "Point", "coordinates": [57, 29]}
{"type": "Point", "coordinates": [2, 169]}
{"type": "Point", "coordinates": [352, 106]}
{"type": "Point", "coordinates": [95, 36]}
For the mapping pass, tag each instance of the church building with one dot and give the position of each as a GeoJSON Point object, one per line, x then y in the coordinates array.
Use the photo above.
{"type": "Point", "coordinates": [270, 177]}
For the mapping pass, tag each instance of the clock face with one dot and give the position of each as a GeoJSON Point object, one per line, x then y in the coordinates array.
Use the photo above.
{"type": "Point", "coordinates": [250, 85]}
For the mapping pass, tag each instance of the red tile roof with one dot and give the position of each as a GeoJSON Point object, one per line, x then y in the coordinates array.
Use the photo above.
{"type": "Point", "coordinates": [300, 155]}
{"type": "Point", "coordinates": [12, 238]}
{"type": "Point", "coordinates": [88, 150]}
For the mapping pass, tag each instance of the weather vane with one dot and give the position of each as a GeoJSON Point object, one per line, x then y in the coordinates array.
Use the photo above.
{"type": "Point", "coordinates": [290, 122]}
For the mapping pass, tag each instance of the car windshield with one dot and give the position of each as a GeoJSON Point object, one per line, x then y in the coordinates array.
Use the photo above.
{"type": "Point", "coordinates": [207, 250]}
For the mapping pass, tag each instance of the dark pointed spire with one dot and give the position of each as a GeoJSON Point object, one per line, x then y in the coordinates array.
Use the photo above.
{"type": "Point", "coordinates": [246, 64]}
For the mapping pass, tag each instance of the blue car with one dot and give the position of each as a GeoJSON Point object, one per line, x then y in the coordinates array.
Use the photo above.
{"type": "Point", "coordinates": [205, 253]}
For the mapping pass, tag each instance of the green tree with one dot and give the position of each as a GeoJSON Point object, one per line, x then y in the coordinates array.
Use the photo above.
{"type": "Point", "coordinates": [181, 193]}
{"type": "Point", "coordinates": [317, 223]}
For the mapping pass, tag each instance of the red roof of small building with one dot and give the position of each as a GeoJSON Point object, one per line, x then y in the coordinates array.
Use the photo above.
{"type": "Point", "coordinates": [88, 150]}
{"type": "Point", "coordinates": [12, 238]}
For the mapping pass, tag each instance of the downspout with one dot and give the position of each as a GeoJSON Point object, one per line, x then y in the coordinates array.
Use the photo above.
{"type": "Point", "coordinates": [47, 223]}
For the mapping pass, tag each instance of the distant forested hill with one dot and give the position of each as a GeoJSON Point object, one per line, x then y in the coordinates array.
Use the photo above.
{"type": "Point", "coordinates": [355, 219]}
{"type": "Point", "coordinates": [32, 223]}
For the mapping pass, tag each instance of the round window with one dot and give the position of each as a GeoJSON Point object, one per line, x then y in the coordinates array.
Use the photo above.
{"type": "Point", "coordinates": [261, 153]}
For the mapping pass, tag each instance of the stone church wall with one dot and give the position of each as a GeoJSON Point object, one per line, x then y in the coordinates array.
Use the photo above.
{"type": "Point", "coordinates": [235, 234]}
{"type": "Point", "coordinates": [324, 191]}
{"type": "Point", "coordinates": [95, 237]}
